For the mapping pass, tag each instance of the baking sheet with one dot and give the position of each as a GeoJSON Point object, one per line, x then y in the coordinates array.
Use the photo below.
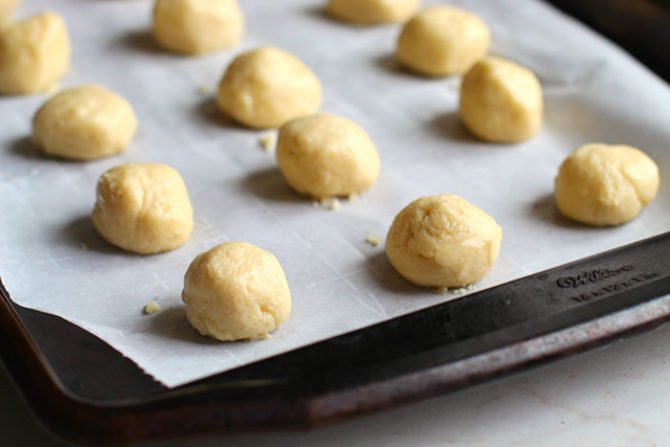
{"type": "Point", "coordinates": [51, 258]}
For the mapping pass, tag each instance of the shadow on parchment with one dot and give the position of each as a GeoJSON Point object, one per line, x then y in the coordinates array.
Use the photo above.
{"type": "Point", "coordinates": [172, 324]}
{"type": "Point", "coordinates": [25, 147]}
{"type": "Point", "coordinates": [390, 64]}
{"type": "Point", "coordinates": [142, 41]}
{"type": "Point", "coordinates": [269, 184]}
{"type": "Point", "coordinates": [207, 111]}
{"type": "Point", "coordinates": [450, 126]}
{"type": "Point", "coordinates": [545, 209]}
{"type": "Point", "coordinates": [81, 233]}
{"type": "Point", "coordinates": [319, 12]}
{"type": "Point", "coordinates": [387, 278]}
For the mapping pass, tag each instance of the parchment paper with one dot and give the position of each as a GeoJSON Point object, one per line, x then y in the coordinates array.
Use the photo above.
{"type": "Point", "coordinates": [51, 258]}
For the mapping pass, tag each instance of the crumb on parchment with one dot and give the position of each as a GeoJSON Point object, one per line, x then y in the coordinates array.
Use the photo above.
{"type": "Point", "coordinates": [456, 291]}
{"type": "Point", "coordinates": [330, 203]}
{"type": "Point", "coordinates": [151, 308]}
{"type": "Point", "coordinates": [268, 141]}
{"type": "Point", "coordinates": [205, 90]}
{"type": "Point", "coordinates": [372, 240]}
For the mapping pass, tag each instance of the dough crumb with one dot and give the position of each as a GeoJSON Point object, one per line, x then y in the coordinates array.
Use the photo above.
{"type": "Point", "coordinates": [268, 141]}
{"type": "Point", "coordinates": [464, 290]}
{"type": "Point", "coordinates": [454, 84]}
{"type": "Point", "coordinates": [372, 240]}
{"type": "Point", "coordinates": [458, 291]}
{"type": "Point", "coordinates": [205, 90]}
{"type": "Point", "coordinates": [151, 308]}
{"type": "Point", "coordinates": [331, 203]}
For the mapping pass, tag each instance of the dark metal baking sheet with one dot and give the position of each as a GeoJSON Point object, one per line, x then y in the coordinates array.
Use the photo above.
{"type": "Point", "coordinates": [85, 391]}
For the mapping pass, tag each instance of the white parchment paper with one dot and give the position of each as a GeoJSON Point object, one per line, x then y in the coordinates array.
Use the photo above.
{"type": "Point", "coordinates": [52, 260]}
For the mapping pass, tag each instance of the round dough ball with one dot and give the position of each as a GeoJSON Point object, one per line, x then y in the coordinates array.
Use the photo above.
{"type": "Point", "coordinates": [143, 208]}
{"type": "Point", "coordinates": [325, 156]}
{"type": "Point", "coordinates": [236, 291]}
{"type": "Point", "coordinates": [34, 54]}
{"type": "Point", "coordinates": [443, 241]}
{"type": "Point", "coordinates": [501, 101]}
{"type": "Point", "coordinates": [605, 185]}
{"type": "Point", "coordinates": [6, 9]}
{"type": "Point", "coordinates": [197, 26]}
{"type": "Point", "coordinates": [84, 123]}
{"type": "Point", "coordinates": [267, 87]}
{"type": "Point", "coordinates": [370, 12]}
{"type": "Point", "coordinates": [442, 41]}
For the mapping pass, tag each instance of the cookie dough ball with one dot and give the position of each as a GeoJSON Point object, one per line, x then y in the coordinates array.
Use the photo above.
{"type": "Point", "coordinates": [442, 41]}
{"type": "Point", "coordinates": [325, 156]}
{"type": "Point", "coordinates": [501, 101]}
{"type": "Point", "coordinates": [605, 185]}
{"type": "Point", "coordinates": [197, 26]}
{"type": "Point", "coordinates": [267, 87]}
{"type": "Point", "coordinates": [143, 208]}
{"type": "Point", "coordinates": [236, 291]}
{"type": "Point", "coordinates": [443, 241]}
{"type": "Point", "coordinates": [84, 123]}
{"type": "Point", "coordinates": [6, 9]}
{"type": "Point", "coordinates": [34, 54]}
{"type": "Point", "coordinates": [370, 12]}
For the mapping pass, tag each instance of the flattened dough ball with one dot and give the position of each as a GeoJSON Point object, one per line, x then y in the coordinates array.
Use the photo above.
{"type": "Point", "coordinates": [443, 241]}
{"type": "Point", "coordinates": [84, 123]}
{"type": "Point", "coordinates": [6, 9]}
{"type": "Point", "coordinates": [34, 54]}
{"type": "Point", "coordinates": [236, 291]}
{"type": "Point", "coordinates": [197, 26]}
{"type": "Point", "coordinates": [370, 12]}
{"type": "Point", "coordinates": [501, 101]}
{"type": "Point", "coordinates": [324, 155]}
{"type": "Point", "coordinates": [605, 185]}
{"type": "Point", "coordinates": [442, 41]}
{"type": "Point", "coordinates": [143, 208]}
{"type": "Point", "coordinates": [267, 87]}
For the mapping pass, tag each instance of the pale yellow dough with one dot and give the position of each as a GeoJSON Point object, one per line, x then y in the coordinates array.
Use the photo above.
{"type": "Point", "coordinates": [236, 291]}
{"type": "Point", "coordinates": [443, 241]}
{"type": "Point", "coordinates": [442, 41]}
{"type": "Point", "coordinates": [324, 155]}
{"type": "Point", "coordinates": [34, 54]}
{"type": "Point", "coordinates": [84, 123]}
{"type": "Point", "coordinates": [501, 101]}
{"type": "Point", "coordinates": [267, 87]}
{"type": "Point", "coordinates": [6, 9]}
{"type": "Point", "coordinates": [197, 26]}
{"type": "Point", "coordinates": [370, 12]}
{"type": "Point", "coordinates": [143, 208]}
{"type": "Point", "coordinates": [605, 185]}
